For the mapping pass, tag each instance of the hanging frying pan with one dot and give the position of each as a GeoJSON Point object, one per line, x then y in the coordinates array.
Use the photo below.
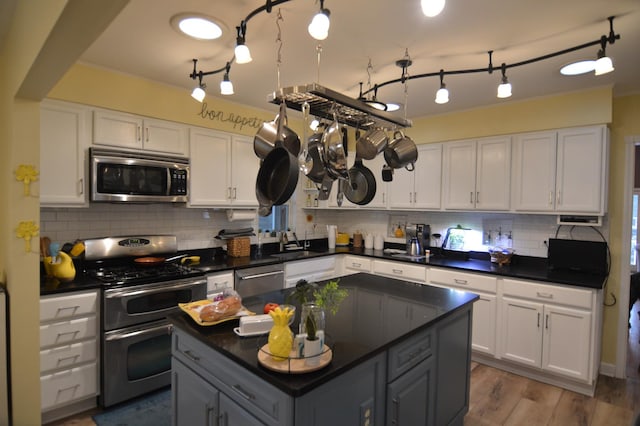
{"type": "Point", "coordinates": [361, 187]}
{"type": "Point", "coordinates": [316, 152]}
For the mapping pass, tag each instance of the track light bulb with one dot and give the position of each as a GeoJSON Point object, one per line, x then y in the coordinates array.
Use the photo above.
{"type": "Point", "coordinates": [604, 65]}
{"type": "Point", "coordinates": [432, 8]}
{"type": "Point", "coordinates": [504, 89]}
{"type": "Point", "coordinates": [319, 26]}
{"type": "Point", "coordinates": [242, 54]}
{"type": "Point", "coordinates": [198, 94]}
{"type": "Point", "coordinates": [226, 86]}
{"type": "Point", "coordinates": [442, 95]}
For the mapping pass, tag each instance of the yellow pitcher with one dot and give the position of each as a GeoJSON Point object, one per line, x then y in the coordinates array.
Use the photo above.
{"type": "Point", "coordinates": [62, 268]}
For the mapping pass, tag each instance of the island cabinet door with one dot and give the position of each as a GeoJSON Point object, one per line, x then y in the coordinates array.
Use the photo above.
{"type": "Point", "coordinates": [410, 397]}
{"type": "Point", "coordinates": [194, 400]}
{"type": "Point", "coordinates": [356, 397]}
{"type": "Point", "coordinates": [231, 414]}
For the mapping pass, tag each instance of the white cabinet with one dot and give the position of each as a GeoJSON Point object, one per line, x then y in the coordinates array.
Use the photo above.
{"type": "Point", "coordinates": [549, 327]}
{"type": "Point", "coordinates": [123, 130]}
{"type": "Point", "coordinates": [400, 270]}
{"type": "Point", "coordinates": [484, 309]}
{"type": "Point", "coordinates": [223, 169]}
{"type": "Point", "coordinates": [477, 174]}
{"type": "Point", "coordinates": [563, 171]}
{"type": "Point", "coordinates": [322, 268]}
{"type": "Point", "coordinates": [65, 133]}
{"type": "Point", "coordinates": [354, 264]}
{"type": "Point", "coordinates": [69, 348]}
{"type": "Point", "coordinates": [421, 188]}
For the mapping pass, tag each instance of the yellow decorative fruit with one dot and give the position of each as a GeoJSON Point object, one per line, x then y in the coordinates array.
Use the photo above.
{"type": "Point", "coordinates": [280, 336]}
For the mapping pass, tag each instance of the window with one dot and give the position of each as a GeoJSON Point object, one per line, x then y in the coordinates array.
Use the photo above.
{"type": "Point", "coordinates": [277, 221]}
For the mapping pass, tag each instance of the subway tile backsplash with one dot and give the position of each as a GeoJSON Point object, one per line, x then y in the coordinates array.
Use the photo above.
{"type": "Point", "coordinates": [196, 228]}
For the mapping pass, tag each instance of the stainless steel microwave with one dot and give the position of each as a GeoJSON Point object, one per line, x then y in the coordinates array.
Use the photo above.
{"type": "Point", "coordinates": [122, 176]}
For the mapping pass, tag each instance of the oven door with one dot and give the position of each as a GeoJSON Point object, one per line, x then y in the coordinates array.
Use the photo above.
{"type": "Point", "coordinates": [135, 360]}
{"type": "Point", "coordinates": [132, 305]}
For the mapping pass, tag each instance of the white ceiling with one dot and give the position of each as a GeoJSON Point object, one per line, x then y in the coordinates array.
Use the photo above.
{"type": "Point", "coordinates": [141, 42]}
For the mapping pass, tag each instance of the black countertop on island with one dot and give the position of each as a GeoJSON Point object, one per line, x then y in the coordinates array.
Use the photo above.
{"type": "Point", "coordinates": [359, 331]}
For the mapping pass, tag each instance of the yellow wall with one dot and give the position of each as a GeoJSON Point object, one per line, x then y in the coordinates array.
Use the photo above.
{"type": "Point", "coordinates": [20, 144]}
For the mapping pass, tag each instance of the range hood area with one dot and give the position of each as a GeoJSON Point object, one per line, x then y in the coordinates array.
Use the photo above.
{"type": "Point", "coordinates": [349, 111]}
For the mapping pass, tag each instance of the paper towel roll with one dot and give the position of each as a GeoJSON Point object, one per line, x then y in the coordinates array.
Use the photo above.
{"type": "Point", "coordinates": [331, 235]}
{"type": "Point", "coordinates": [235, 215]}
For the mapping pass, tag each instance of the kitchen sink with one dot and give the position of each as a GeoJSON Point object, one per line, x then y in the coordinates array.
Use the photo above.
{"type": "Point", "coordinates": [292, 254]}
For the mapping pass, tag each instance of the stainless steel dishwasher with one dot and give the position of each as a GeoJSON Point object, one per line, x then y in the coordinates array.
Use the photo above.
{"type": "Point", "coordinates": [259, 279]}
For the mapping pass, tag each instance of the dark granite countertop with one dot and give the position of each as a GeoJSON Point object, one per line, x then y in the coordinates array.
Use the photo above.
{"type": "Point", "coordinates": [215, 260]}
{"type": "Point", "coordinates": [352, 338]}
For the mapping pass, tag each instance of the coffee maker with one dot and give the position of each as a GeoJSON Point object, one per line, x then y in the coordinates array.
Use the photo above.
{"type": "Point", "coordinates": [420, 231]}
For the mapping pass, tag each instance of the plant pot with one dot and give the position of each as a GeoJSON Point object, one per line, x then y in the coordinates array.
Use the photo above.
{"type": "Point", "coordinates": [312, 351]}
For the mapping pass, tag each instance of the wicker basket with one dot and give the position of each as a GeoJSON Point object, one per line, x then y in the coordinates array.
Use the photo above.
{"type": "Point", "coordinates": [239, 247]}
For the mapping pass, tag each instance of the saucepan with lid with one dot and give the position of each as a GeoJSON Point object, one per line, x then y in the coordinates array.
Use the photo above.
{"type": "Point", "coordinates": [401, 152]}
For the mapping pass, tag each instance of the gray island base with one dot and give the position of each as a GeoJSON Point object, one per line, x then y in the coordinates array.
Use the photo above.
{"type": "Point", "coordinates": [401, 356]}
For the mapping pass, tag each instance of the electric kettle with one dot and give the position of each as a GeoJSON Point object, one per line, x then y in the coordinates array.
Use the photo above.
{"type": "Point", "coordinates": [415, 248]}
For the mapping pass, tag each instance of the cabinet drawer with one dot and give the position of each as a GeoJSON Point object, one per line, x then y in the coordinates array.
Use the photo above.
{"type": "Point", "coordinates": [68, 385]}
{"type": "Point", "coordinates": [67, 356]}
{"type": "Point", "coordinates": [548, 293]}
{"type": "Point", "coordinates": [357, 263]}
{"type": "Point", "coordinates": [60, 307]}
{"type": "Point", "coordinates": [461, 279]}
{"type": "Point", "coordinates": [256, 395]}
{"type": "Point", "coordinates": [303, 268]}
{"type": "Point", "coordinates": [59, 333]}
{"type": "Point", "coordinates": [400, 270]}
{"type": "Point", "coordinates": [409, 353]}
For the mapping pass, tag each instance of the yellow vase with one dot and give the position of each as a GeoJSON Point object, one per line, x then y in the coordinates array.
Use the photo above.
{"type": "Point", "coordinates": [280, 336]}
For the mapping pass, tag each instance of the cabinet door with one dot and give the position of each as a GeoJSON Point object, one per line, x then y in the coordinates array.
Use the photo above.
{"type": "Point", "coordinates": [410, 397]}
{"type": "Point", "coordinates": [534, 169]}
{"type": "Point", "coordinates": [493, 175]}
{"type": "Point", "coordinates": [567, 342]}
{"type": "Point", "coordinates": [397, 316]}
{"type": "Point", "coordinates": [369, 320]}
{"type": "Point", "coordinates": [117, 129]}
{"type": "Point", "coordinates": [380, 199]}
{"type": "Point", "coordinates": [484, 324]}
{"type": "Point", "coordinates": [244, 170]}
{"type": "Point", "coordinates": [210, 154]}
{"type": "Point", "coordinates": [64, 137]}
{"type": "Point", "coordinates": [164, 136]}
{"type": "Point", "coordinates": [522, 331]}
{"type": "Point", "coordinates": [195, 401]}
{"type": "Point", "coordinates": [401, 188]}
{"type": "Point", "coordinates": [231, 414]}
{"type": "Point", "coordinates": [580, 170]}
{"type": "Point", "coordinates": [459, 175]}
{"type": "Point", "coordinates": [428, 177]}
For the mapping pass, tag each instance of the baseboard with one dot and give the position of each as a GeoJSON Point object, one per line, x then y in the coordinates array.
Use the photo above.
{"type": "Point", "coordinates": [607, 369]}
{"type": "Point", "coordinates": [69, 410]}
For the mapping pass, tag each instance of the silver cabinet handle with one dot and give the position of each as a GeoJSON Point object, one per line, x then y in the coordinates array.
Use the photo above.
{"type": "Point", "coordinates": [538, 319]}
{"type": "Point", "coordinates": [550, 197]}
{"type": "Point", "coordinates": [246, 395]}
{"type": "Point", "coordinates": [64, 308]}
{"type": "Point", "coordinates": [81, 186]}
{"type": "Point", "coordinates": [544, 295]}
{"type": "Point", "coordinates": [138, 133]}
{"type": "Point", "coordinates": [146, 133]}
{"type": "Point", "coordinates": [397, 271]}
{"type": "Point", "coordinates": [265, 274]}
{"type": "Point", "coordinates": [73, 358]}
{"type": "Point", "coordinates": [558, 197]}
{"type": "Point", "coordinates": [459, 281]}
{"type": "Point", "coordinates": [546, 321]}
{"type": "Point", "coordinates": [477, 197]}
{"type": "Point", "coordinates": [356, 265]}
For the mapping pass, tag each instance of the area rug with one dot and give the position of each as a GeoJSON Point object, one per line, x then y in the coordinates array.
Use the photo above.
{"type": "Point", "coordinates": [150, 410]}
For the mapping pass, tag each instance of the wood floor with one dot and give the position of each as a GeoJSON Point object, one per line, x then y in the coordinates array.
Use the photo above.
{"type": "Point", "coordinates": [501, 398]}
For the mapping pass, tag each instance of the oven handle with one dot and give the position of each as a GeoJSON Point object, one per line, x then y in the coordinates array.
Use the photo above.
{"type": "Point", "coordinates": [265, 274]}
{"type": "Point", "coordinates": [157, 330]}
{"type": "Point", "coordinates": [156, 289]}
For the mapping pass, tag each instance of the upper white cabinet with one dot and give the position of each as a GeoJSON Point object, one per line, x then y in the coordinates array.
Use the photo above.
{"type": "Point", "coordinates": [123, 130]}
{"type": "Point", "coordinates": [65, 133]}
{"type": "Point", "coordinates": [477, 174]}
{"type": "Point", "coordinates": [223, 169]}
{"type": "Point", "coordinates": [563, 171]}
{"type": "Point", "coordinates": [421, 188]}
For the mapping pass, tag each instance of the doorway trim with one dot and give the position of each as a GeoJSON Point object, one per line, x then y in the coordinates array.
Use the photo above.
{"type": "Point", "coordinates": [625, 254]}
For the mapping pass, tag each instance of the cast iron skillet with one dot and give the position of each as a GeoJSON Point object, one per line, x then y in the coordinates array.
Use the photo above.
{"type": "Point", "coordinates": [361, 187]}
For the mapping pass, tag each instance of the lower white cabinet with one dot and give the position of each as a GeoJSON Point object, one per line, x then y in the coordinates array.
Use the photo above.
{"type": "Point", "coordinates": [69, 348]}
{"type": "Point", "coordinates": [322, 268]}
{"type": "Point", "coordinates": [400, 270]}
{"type": "Point", "coordinates": [354, 264]}
{"type": "Point", "coordinates": [540, 330]}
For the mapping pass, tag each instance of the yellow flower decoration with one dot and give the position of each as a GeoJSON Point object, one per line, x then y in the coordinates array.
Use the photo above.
{"type": "Point", "coordinates": [27, 230]}
{"type": "Point", "coordinates": [26, 173]}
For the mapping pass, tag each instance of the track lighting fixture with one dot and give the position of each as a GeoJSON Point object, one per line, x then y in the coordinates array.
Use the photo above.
{"type": "Point", "coordinates": [504, 89]}
{"type": "Point", "coordinates": [432, 8]}
{"type": "Point", "coordinates": [198, 92]}
{"type": "Point", "coordinates": [226, 86]}
{"type": "Point", "coordinates": [242, 53]}
{"type": "Point", "coordinates": [604, 64]}
{"type": "Point", "coordinates": [442, 95]}
{"type": "Point", "coordinates": [319, 26]}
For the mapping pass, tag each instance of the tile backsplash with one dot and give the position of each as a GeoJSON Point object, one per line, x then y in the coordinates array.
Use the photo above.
{"type": "Point", "coordinates": [196, 228]}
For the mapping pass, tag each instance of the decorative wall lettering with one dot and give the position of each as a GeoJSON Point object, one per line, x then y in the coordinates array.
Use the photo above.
{"type": "Point", "coordinates": [230, 117]}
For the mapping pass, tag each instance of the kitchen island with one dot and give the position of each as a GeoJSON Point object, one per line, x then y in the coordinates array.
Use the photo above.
{"type": "Point", "coordinates": [401, 355]}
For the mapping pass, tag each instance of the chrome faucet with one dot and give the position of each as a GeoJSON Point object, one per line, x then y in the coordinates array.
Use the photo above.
{"type": "Point", "coordinates": [283, 240]}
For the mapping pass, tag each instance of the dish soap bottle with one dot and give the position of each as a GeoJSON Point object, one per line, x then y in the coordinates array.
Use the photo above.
{"type": "Point", "coordinates": [399, 233]}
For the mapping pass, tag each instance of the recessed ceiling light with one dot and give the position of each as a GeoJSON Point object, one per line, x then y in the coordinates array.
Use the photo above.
{"type": "Point", "coordinates": [579, 67]}
{"type": "Point", "coordinates": [197, 26]}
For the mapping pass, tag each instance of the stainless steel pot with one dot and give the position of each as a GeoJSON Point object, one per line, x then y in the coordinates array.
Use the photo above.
{"type": "Point", "coordinates": [401, 152]}
{"type": "Point", "coordinates": [267, 136]}
{"type": "Point", "coordinates": [371, 144]}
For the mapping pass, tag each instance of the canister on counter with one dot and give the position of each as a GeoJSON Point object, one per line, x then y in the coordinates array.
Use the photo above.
{"type": "Point", "coordinates": [357, 240]}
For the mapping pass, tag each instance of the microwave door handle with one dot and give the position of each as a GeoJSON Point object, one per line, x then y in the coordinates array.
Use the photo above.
{"type": "Point", "coordinates": [169, 183]}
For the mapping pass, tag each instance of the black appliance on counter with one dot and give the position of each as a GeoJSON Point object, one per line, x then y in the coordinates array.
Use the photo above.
{"type": "Point", "coordinates": [578, 256]}
{"type": "Point", "coordinates": [136, 298]}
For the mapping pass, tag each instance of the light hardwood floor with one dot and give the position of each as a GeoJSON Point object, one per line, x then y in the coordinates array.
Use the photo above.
{"type": "Point", "coordinates": [501, 398]}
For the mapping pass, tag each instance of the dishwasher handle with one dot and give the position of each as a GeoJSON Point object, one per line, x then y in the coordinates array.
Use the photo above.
{"type": "Point", "coordinates": [262, 275]}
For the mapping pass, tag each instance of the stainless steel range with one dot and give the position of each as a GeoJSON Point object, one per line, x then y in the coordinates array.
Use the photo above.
{"type": "Point", "coordinates": [136, 298]}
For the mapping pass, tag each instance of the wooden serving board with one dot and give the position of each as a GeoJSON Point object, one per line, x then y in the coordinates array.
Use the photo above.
{"type": "Point", "coordinates": [293, 365]}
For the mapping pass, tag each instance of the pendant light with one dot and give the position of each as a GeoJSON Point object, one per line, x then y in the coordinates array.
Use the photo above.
{"type": "Point", "coordinates": [242, 53]}
{"type": "Point", "coordinates": [226, 86]}
{"type": "Point", "coordinates": [319, 26]}
{"type": "Point", "coordinates": [604, 64]}
{"type": "Point", "coordinates": [432, 8]}
{"type": "Point", "coordinates": [442, 95]}
{"type": "Point", "coordinates": [504, 89]}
